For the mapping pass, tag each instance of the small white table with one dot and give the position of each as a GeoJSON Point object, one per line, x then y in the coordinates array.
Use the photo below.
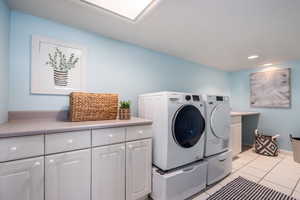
{"type": "Point", "coordinates": [239, 127]}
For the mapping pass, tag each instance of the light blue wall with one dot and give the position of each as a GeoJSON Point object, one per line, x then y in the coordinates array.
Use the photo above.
{"type": "Point", "coordinates": [4, 59]}
{"type": "Point", "coordinates": [118, 67]}
{"type": "Point", "coordinates": [113, 66]}
{"type": "Point", "coordinates": [273, 121]}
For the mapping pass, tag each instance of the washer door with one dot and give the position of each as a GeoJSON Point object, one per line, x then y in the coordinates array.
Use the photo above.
{"type": "Point", "coordinates": [220, 121]}
{"type": "Point", "coordinates": [188, 126]}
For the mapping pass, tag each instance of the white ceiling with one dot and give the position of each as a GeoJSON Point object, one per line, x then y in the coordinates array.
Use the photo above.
{"type": "Point", "coordinates": [218, 33]}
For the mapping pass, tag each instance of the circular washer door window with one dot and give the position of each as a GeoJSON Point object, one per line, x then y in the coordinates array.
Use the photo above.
{"type": "Point", "coordinates": [220, 121]}
{"type": "Point", "coordinates": [188, 126]}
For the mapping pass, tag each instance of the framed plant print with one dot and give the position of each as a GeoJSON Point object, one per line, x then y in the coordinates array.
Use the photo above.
{"type": "Point", "coordinates": [57, 67]}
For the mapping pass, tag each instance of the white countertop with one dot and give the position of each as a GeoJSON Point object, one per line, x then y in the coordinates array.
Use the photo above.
{"type": "Point", "coordinates": [35, 127]}
{"type": "Point", "coordinates": [243, 113]}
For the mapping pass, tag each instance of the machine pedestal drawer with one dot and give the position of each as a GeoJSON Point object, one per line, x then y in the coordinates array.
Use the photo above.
{"type": "Point", "coordinates": [219, 166]}
{"type": "Point", "coordinates": [179, 184]}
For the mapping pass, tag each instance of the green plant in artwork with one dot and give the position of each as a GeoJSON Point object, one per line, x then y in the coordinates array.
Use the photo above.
{"type": "Point", "coordinates": [125, 104]}
{"type": "Point", "coordinates": [59, 61]}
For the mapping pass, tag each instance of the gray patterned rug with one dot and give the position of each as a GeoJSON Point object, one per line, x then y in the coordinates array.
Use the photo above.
{"type": "Point", "coordinates": [244, 189]}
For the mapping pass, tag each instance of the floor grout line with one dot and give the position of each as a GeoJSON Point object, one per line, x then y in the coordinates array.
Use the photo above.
{"type": "Point", "coordinates": [281, 160]}
{"type": "Point", "coordinates": [270, 171]}
{"type": "Point", "coordinates": [245, 165]}
{"type": "Point", "coordinates": [294, 189]}
{"type": "Point", "coordinates": [277, 161]}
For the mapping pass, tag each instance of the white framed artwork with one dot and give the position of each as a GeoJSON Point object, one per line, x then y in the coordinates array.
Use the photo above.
{"type": "Point", "coordinates": [57, 68]}
{"type": "Point", "coordinates": [271, 89]}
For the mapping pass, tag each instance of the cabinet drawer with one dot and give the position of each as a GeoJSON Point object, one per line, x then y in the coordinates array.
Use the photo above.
{"type": "Point", "coordinates": [236, 120]}
{"type": "Point", "coordinates": [67, 141]}
{"type": "Point", "coordinates": [21, 147]}
{"type": "Point", "coordinates": [138, 132]}
{"type": "Point", "coordinates": [108, 136]}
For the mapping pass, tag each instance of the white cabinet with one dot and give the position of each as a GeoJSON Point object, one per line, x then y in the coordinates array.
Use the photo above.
{"type": "Point", "coordinates": [73, 167]}
{"type": "Point", "coordinates": [108, 173]}
{"type": "Point", "coordinates": [236, 131]}
{"type": "Point", "coordinates": [22, 180]}
{"type": "Point", "coordinates": [68, 176]}
{"type": "Point", "coordinates": [236, 135]}
{"type": "Point", "coordinates": [138, 169]}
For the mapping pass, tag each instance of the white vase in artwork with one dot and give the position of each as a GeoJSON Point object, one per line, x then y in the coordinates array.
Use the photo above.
{"type": "Point", "coordinates": [60, 78]}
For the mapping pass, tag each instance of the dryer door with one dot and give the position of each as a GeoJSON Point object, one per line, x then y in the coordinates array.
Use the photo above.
{"type": "Point", "coordinates": [220, 121]}
{"type": "Point", "coordinates": [188, 126]}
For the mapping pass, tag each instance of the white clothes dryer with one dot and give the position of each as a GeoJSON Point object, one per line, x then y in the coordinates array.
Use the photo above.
{"type": "Point", "coordinates": [218, 124]}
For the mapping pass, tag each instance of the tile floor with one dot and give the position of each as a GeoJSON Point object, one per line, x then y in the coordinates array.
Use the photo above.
{"type": "Point", "coordinates": [280, 173]}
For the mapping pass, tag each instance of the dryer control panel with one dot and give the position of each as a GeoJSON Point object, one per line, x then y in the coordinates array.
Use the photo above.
{"type": "Point", "coordinates": [219, 98]}
{"type": "Point", "coordinates": [213, 98]}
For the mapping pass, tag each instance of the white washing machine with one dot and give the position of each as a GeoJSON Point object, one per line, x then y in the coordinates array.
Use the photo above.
{"type": "Point", "coordinates": [178, 127]}
{"type": "Point", "coordinates": [218, 124]}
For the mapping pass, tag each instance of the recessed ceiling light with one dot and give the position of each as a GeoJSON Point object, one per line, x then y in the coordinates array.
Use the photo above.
{"type": "Point", "coordinates": [127, 8]}
{"type": "Point", "coordinates": [253, 57]}
{"type": "Point", "coordinates": [268, 64]}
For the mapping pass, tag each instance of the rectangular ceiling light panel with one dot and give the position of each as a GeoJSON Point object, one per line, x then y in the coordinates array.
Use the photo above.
{"type": "Point", "coordinates": [127, 8]}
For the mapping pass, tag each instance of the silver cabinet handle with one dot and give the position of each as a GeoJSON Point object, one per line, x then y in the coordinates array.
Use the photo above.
{"type": "Point", "coordinates": [13, 148]}
{"type": "Point", "coordinates": [69, 141]}
{"type": "Point", "coordinates": [189, 169]}
{"type": "Point", "coordinates": [173, 99]}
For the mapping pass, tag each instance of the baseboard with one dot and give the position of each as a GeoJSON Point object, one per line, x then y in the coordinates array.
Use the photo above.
{"type": "Point", "coordinates": [286, 152]}
{"type": "Point", "coordinates": [282, 151]}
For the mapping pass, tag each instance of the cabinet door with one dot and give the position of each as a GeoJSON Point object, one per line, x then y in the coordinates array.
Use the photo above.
{"type": "Point", "coordinates": [138, 169]}
{"type": "Point", "coordinates": [22, 180]}
{"type": "Point", "coordinates": [108, 173]}
{"type": "Point", "coordinates": [68, 176]}
{"type": "Point", "coordinates": [236, 137]}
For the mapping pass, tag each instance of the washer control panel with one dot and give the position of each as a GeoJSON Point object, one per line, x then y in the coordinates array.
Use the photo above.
{"type": "Point", "coordinates": [188, 97]}
{"type": "Point", "coordinates": [196, 98]}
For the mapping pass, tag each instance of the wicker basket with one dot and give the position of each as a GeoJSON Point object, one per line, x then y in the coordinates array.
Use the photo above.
{"type": "Point", "coordinates": [124, 114]}
{"type": "Point", "coordinates": [93, 107]}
